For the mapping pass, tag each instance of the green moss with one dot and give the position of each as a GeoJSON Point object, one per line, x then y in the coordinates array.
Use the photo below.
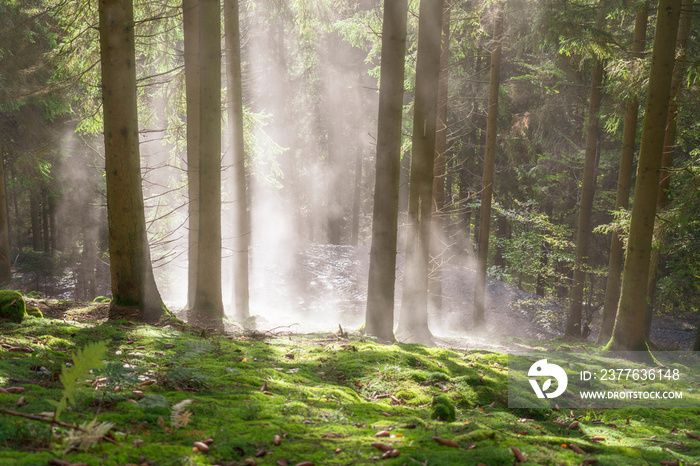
{"type": "Point", "coordinates": [12, 306]}
{"type": "Point", "coordinates": [443, 410]}
{"type": "Point", "coordinates": [34, 312]}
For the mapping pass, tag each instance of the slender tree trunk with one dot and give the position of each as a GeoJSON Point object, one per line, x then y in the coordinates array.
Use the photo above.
{"type": "Point", "coordinates": [35, 214]}
{"type": "Point", "coordinates": [541, 284]}
{"type": "Point", "coordinates": [669, 147]}
{"type": "Point", "coordinates": [413, 320]}
{"type": "Point", "coordinates": [5, 260]}
{"type": "Point", "coordinates": [379, 317]}
{"type": "Point", "coordinates": [629, 330]}
{"type": "Point", "coordinates": [241, 224]}
{"type": "Point", "coordinates": [190, 20]}
{"type": "Point", "coordinates": [208, 309]}
{"type": "Point", "coordinates": [437, 247]}
{"type": "Point", "coordinates": [45, 226]}
{"type": "Point", "coordinates": [573, 321]}
{"type": "Point", "coordinates": [624, 182]}
{"type": "Point", "coordinates": [489, 159]}
{"type": "Point", "coordinates": [133, 284]}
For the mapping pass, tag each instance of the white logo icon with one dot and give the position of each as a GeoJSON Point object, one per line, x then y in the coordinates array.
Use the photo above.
{"type": "Point", "coordinates": [543, 369]}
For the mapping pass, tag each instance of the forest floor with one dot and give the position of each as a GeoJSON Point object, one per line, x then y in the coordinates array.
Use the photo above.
{"type": "Point", "coordinates": [273, 398]}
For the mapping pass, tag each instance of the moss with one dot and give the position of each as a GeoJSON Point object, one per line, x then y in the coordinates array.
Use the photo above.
{"type": "Point", "coordinates": [34, 312]}
{"type": "Point", "coordinates": [12, 306]}
{"type": "Point", "coordinates": [443, 410]}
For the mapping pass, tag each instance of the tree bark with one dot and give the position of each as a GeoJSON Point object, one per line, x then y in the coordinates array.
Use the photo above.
{"type": "Point", "coordinates": [356, 200]}
{"type": "Point", "coordinates": [669, 147]}
{"type": "Point", "coordinates": [573, 321]}
{"type": "Point", "coordinates": [629, 329]}
{"type": "Point", "coordinates": [241, 224]}
{"type": "Point", "coordinates": [208, 309]}
{"type": "Point", "coordinates": [190, 21]}
{"type": "Point", "coordinates": [413, 320]}
{"type": "Point", "coordinates": [624, 182]}
{"type": "Point", "coordinates": [35, 214]}
{"type": "Point", "coordinates": [5, 260]}
{"type": "Point", "coordinates": [437, 247]}
{"type": "Point", "coordinates": [489, 159]}
{"type": "Point", "coordinates": [379, 317]}
{"type": "Point", "coordinates": [133, 284]}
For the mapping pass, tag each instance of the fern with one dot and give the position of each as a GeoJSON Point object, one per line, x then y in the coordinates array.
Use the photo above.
{"type": "Point", "coordinates": [88, 358]}
{"type": "Point", "coordinates": [180, 415]}
{"type": "Point", "coordinates": [93, 432]}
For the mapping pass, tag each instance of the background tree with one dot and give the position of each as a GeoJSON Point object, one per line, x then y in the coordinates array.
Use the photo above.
{"type": "Point", "coordinates": [629, 330]}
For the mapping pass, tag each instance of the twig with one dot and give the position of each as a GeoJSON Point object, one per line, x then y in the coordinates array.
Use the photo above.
{"type": "Point", "coordinates": [34, 417]}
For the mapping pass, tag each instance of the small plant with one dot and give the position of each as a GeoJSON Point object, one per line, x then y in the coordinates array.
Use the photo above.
{"type": "Point", "coordinates": [84, 360]}
{"type": "Point", "coordinates": [180, 415]}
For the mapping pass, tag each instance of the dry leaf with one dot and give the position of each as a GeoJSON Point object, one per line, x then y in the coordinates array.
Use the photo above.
{"type": "Point", "coordinates": [445, 442]}
{"type": "Point", "coordinates": [201, 446]}
{"type": "Point", "coordinates": [573, 425]}
{"type": "Point", "coordinates": [16, 389]}
{"type": "Point", "coordinates": [382, 446]}
{"type": "Point", "coordinates": [21, 401]}
{"type": "Point", "coordinates": [281, 462]}
{"type": "Point", "coordinates": [576, 449]}
{"type": "Point", "coordinates": [383, 433]}
{"type": "Point", "coordinates": [277, 440]}
{"type": "Point", "coordinates": [519, 457]}
{"type": "Point", "coordinates": [332, 435]}
{"type": "Point", "coordinates": [692, 435]}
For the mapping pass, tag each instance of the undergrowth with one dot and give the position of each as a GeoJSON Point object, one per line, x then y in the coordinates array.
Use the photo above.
{"type": "Point", "coordinates": [317, 398]}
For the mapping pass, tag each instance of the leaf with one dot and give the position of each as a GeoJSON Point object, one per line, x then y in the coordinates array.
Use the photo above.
{"type": "Point", "coordinates": [179, 416]}
{"type": "Point", "coordinates": [93, 433]}
{"type": "Point", "coordinates": [90, 357]}
{"type": "Point", "coordinates": [519, 457]}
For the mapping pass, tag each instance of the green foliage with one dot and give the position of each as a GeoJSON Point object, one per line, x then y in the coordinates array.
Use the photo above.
{"type": "Point", "coordinates": [90, 357]}
{"type": "Point", "coordinates": [12, 306]}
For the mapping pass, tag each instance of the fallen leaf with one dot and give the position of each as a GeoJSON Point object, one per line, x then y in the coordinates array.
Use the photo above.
{"type": "Point", "coordinates": [281, 462]}
{"type": "Point", "coordinates": [264, 386]}
{"type": "Point", "coordinates": [260, 453]}
{"type": "Point", "coordinates": [147, 383]}
{"type": "Point", "coordinates": [573, 425]}
{"type": "Point", "coordinates": [21, 401]}
{"type": "Point", "coordinates": [445, 442]}
{"type": "Point", "coordinates": [16, 389]}
{"type": "Point", "coordinates": [332, 435]}
{"type": "Point", "coordinates": [576, 449]}
{"type": "Point", "coordinates": [209, 441]}
{"type": "Point", "coordinates": [250, 462]}
{"type": "Point", "coordinates": [338, 450]}
{"type": "Point", "coordinates": [519, 457]}
{"type": "Point", "coordinates": [692, 435]}
{"type": "Point", "coordinates": [277, 440]}
{"type": "Point", "coordinates": [383, 433]}
{"type": "Point", "coordinates": [201, 446]}
{"type": "Point", "coordinates": [305, 463]}
{"type": "Point", "coordinates": [597, 438]}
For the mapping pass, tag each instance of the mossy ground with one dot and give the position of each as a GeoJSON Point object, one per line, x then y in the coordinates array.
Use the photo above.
{"type": "Point", "coordinates": [319, 393]}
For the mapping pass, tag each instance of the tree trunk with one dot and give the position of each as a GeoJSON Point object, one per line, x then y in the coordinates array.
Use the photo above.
{"type": "Point", "coordinates": [241, 224]}
{"type": "Point", "coordinates": [208, 309]}
{"type": "Point", "coordinates": [190, 21]}
{"type": "Point", "coordinates": [624, 182]}
{"type": "Point", "coordinates": [133, 284]}
{"type": "Point", "coordinates": [667, 158]}
{"type": "Point", "coordinates": [379, 317]}
{"type": "Point", "coordinates": [437, 247]}
{"type": "Point", "coordinates": [35, 214]}
{"type": "Point", "coordinates": [573, 321]}
{"type": "Point", "coordinates": [489, 159]}
{"type": "Point", "coordinates": [629, 330]}
{"type": "Point", "coordinates": [45, 226]}
{"type": "Point", "coordinates": [5, 260]}
{"type": "Point", "coordinates": [413, 320]}
{"type": "Point", "coordinates": [540, 287]}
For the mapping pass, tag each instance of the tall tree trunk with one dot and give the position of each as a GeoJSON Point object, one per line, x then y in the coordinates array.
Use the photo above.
{"type": "Point", "coordinates": [624, 182]}
{"type": "Point", "coordinates": [667, 158]}
{"type": "Point", "coordinates": [489, 159]}
{"type": "Point", "coordinates": [133, 284]}
{"type": "Point", "coordinates": [379, 317]}
{"type": "Point", "coordinates": [629, 330]}
{"type": "Point", "coordinates": [541, 283]}
{"type": "Point", "coordinates": [35, 214]}
{"type": "Point", "coordinates": [437, 247]}
{"type": "Point", "coordinates": [208, 309]}
{"type": "Point", "coordinates": [5, 260]}
{"type": "Point", "coordinates": [241, 224]}
{"type": "Point", "coordinates": [413, 320]}
{"type": "Point", "coordinates": [573, 321]}
{"type": "Point", "coordinates": [190, 21]}
{"type": "Point", "coordinates": [45, 226]}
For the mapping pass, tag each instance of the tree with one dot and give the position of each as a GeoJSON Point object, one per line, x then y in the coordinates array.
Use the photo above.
{"type": "Point", "coordinates": [573, 321]}
{"type": "Point", "coordinates": [133, 284]}
{"type": "Point", "coordinates": [629, 329]}
{"type": "Point", "coordinates": [413, 320]}
{"type": "Point", "coordinates": [241, 225]}
{"type": "Point", "coordinates": [489, 157]}
{"type": "Point", "coordinates": [190, 24]}
{"type": "Point", "coordinates": [437, 248]}
{"type": "Point", "coordinates": [5, 270]}
{"type": "Point", "coordinates": [624, 183]}
{"type": "Point", "coordinates": [379, 317]}
{"type": "Point", "coordinates": [208, 309]}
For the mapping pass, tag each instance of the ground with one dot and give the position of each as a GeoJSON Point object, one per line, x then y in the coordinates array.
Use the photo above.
{"type": "Point", "coordinates": [274, 398]}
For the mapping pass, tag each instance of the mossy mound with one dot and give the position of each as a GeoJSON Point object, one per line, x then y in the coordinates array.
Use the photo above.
{"type": "Point", "coordinates": [34, 312]}
{"type": "Point", "coordinates": [12, 306]}
{"type": "Point", "coordinates": [443, 409]}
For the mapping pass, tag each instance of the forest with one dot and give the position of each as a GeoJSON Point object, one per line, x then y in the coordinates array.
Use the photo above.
{"type": "Point", "coordinates": [200, 192]}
